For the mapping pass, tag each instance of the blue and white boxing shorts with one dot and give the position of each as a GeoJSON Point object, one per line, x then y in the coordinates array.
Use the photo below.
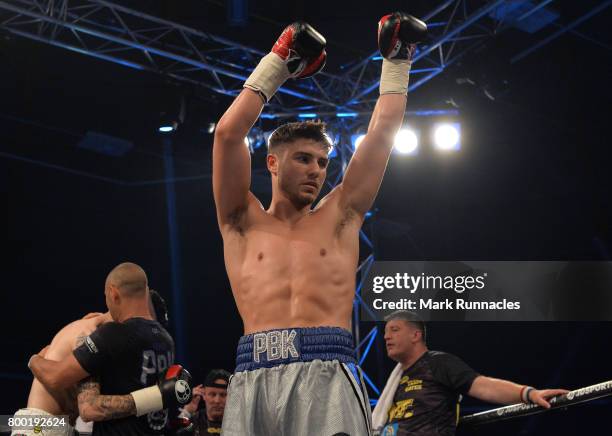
{"type": "Point", "coordinates": [297, 381]}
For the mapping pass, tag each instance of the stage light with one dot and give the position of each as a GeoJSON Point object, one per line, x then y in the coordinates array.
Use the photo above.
{"type": "Point", "coordinates": [173, 115]}
{"type": "Point", "coordinates": [167, 123]}
{"type": "Point", "coordinates": [406, 142]}
{"type": "Point", "coordinates": [167, 128]}
{"type": "Point", "coordinates": [447, 137]}
{"type": "Point", "coordinates": [357, 140]}
{"type": "Point", "coordinates": [307, 115]}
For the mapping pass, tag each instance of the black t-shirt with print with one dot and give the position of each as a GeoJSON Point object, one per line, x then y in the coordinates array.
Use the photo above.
{"type": "Point", "coordinates": [125, 357]}
{"type": "Point", "coordinates": [426, 400]}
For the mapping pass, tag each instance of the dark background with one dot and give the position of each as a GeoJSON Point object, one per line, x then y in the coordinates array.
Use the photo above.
{"type": "Point", "coordinates": [531, 182]}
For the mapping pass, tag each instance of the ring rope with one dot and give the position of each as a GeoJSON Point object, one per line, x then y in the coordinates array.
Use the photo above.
{"type": "Point", "coordinates": [577, 396]}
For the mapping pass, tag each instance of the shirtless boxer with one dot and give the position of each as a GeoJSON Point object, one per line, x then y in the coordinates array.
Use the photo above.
{"type": "Point", "coordinates": [125, 355]}
{"type": "Point", "coordinates": [47, 402]}
{"type": "Point", "coordinates": [292, 268]}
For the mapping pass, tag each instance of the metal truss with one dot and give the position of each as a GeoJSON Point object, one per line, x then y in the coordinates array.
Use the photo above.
{"type": "Point", "coordinates": [564, 29]}
{"type": "Point", "coordinates": [134, 39]}
{"type": "Point", "coordinates": [454, 29]}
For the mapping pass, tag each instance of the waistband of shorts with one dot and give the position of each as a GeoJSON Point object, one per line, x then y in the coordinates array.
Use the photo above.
{"type": "Point", "coordinates": [33, 411]}
{"type": "Point", "coordinates": [271, 348]}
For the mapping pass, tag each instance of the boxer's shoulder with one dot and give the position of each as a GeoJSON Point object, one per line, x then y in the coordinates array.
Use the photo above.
{"type": "Point", "coordinates": [76, 332]}
{"type": "Point", "coordinates": [67, 338]}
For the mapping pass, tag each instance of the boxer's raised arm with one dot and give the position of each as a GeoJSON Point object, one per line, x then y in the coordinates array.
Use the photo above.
{"type": "Point", "coordinates": [397, 35]}
{"type": "Point", "coordinates": [231, 157]}
{"type": "Point", "coordinates": [298, 53]}
{"type": "Point", "coordinates": [365, 171]}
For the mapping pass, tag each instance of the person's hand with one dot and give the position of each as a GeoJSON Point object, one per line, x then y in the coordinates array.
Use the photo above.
{"type": "Point", "coordinates": [103, 318]}
{"type": "Point", "coordinates": [198, 390]}
{"type": "Point", "coordinates": [540, 397]}
{"type": "Point", "coordinates": [198, 393]}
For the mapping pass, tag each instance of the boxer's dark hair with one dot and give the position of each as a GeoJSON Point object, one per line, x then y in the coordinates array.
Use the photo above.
{"type": "Point", "coordinates": [411, 318]}
{"type": "Point", "coordinates": [290, 132]}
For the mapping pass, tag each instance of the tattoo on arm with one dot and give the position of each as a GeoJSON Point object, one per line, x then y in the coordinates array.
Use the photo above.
{"type": "Point", "coordinates": [80, 339]}
{"type": "Point", "coordinates": [96, 407]}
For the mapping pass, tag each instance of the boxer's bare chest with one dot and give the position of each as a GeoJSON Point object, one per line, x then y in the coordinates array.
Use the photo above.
{"type": "Point", "coordinates": [325, 235]}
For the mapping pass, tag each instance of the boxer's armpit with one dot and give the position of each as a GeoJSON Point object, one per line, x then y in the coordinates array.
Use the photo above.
{"type": "Point", "coordinates": [236, 219]}
{"type": "Point", "coordinates": [96, 407]}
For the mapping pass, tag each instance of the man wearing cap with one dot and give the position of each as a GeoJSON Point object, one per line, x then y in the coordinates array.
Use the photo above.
{"type": "Point", "coordinates": [422, 394]}
{"type": "Point", "coordinates": [208, 404]}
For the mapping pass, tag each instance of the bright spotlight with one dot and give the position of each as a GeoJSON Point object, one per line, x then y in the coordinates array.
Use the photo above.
{"type": "Point", "coordinates": [446, 137]}
{"type": "Point", "coordinates": [406, 141]}
{"type": "Point", "coordinates": [166, 129]}
{"type": "Point", "coordinates": [358, 140]}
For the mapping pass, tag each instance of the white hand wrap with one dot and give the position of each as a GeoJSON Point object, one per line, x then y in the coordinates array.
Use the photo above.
{"type": "Point", "coordinates": [268, 76]}
{"type": "Point", "coordinates": [147, 400]}
{"type": "Point", "coordinates": [394, 77]}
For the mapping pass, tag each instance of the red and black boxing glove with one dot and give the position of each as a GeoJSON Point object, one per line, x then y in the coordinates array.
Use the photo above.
{"type": "Point", "coordinates": [299, 52]}
{"type": "Point", "coordinates": [175, 387]}
{"type": "Point", "coordinates": [172, 390]}
{"type": "Point", "coordinates": [302, 49]}
{"type": "Point", "coordinates": [398, 34]}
